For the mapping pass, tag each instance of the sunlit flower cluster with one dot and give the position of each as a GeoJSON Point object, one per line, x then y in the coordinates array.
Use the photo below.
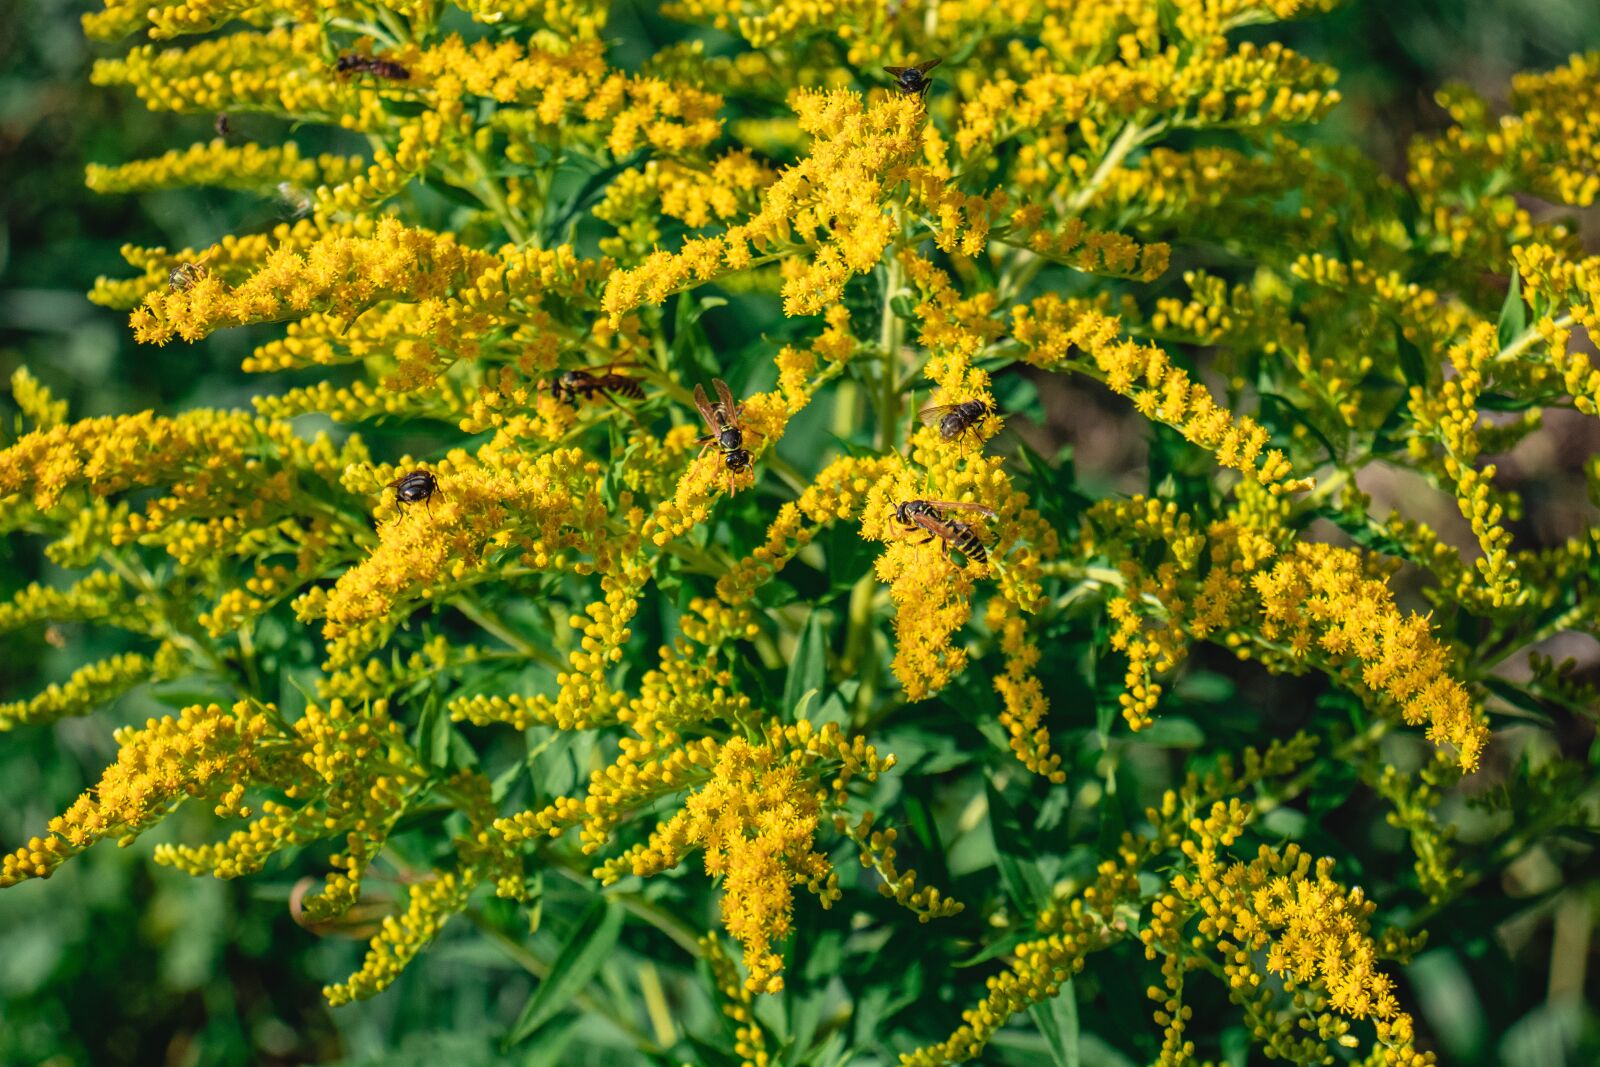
{"type": "Point", "coordinates": [537, 591]}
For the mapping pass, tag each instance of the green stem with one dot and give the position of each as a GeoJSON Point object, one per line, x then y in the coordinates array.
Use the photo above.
{"type": "Point", "coordinates": [1030, 263]}
{"type": "Point", "coordinates": [489, 191]}
{"type": "Point", "coordinates": [493, 624]}
{"type": "Point", "coordinates": [680, 932]}
{"type": "Point", "coordinates": [1528, 338]}
{"type": "Point", "coordinates": [891, 338]}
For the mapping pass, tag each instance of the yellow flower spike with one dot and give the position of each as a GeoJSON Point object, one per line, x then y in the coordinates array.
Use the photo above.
{"type": "Point", "coordinates": [1159, 390]}
{"type": "Point", "coordinates": [755, 818]}
{"type": "Point", "coordinates": [750, 1041]}
{"type": "Point", "coordinates": [91, 687]}
{"type": "Point", "coordinates": [340, 276]}
{"type": "Point", "coordinates": [430, 904]}
{"type": "Point", "coordinates": [831, 201]}
{"type": "Point", "coordinates": [1318, 596]}
{"type": "Point", "coordinates": [198, 752]}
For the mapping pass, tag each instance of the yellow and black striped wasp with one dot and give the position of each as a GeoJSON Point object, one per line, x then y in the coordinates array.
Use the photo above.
{"type": "Point", "coordinates": [722, 419]}
{"type": "Point", "coordinates": [570, 385]}
{"type": "Point", "coordinates": [930, 517]}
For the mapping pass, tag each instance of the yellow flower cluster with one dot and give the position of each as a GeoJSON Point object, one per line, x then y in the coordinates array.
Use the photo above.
{"type": "Point", "coordinates": [561, 558]}
{"type": "Point", "coordinates": [755, 819]}
{"type": "Point", "coordinates": [1049, 329]}
{"type": "Point", "coordinates": [1318, 597]}
{"type": "Point", "coordinates": [248, 166]}
{"type": "Point", "coordinates": [205, 751]}
{"type": "Point", "coordinates": [342, 276]}
{"type": "Point", "coordinates": [830, 203]}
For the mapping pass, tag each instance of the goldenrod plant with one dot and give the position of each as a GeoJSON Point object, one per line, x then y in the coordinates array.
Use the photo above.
{"type": "Point", "coordinates": [633, 556]}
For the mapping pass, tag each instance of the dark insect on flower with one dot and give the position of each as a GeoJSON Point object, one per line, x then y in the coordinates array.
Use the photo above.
{"type": "Point", "coordinates": [184, 276]}
{"type": "Point", "coordinates": [222, 125]}
{"type": "Point", "coordinates": [913, 81]}
{"type": "Point", "coordinates": [929, 516]}
{"type": "Point", "coordinates": [387, 69]}
{"type": "Point", "coordinates": [722, 418]}
{"type": "Point", "coordinates": [955, 420]}
{"type": "Point", "coordinates": [569, 386]}
{"type": "Point", "coordinates": [415, 488]}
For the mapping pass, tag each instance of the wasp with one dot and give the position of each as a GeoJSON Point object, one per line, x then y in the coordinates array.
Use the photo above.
{"type": "Point", "coordinates": [568, 386]}
{"type": "Point", "coordinates": [722, 418]}
{"type": "Point", "coordinates": [387, 69]}
{"type": "Point", "coordinates": [913, 81]}
{"type": "Point", "coordinates": [415, 488]}
{"type": "Point", "coordinates": [955, 420]}
{"type": "Point", "coordinates": [184, 276]}
{"type": "Point", "coordinates": [929, 516]}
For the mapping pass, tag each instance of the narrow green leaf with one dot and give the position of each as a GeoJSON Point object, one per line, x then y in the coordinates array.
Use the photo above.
{"type": "Point", "coordinates": [1057, 1020]}
{"type": "Point", "coordinates": [998, 948]}
{"type": "Point", "coordinates": [1513, 313]}
{"type": "Point", "coordinates": [1018, 863]}
{"type": "Point", "coordinates": [1411, 362]}
{"type": "Point", "coordinates": [588, 947]}
{"type": "Point", "coordinates": [431, 738]}
{"type": "Point", "coordinates": [808, 670]}
{"type": "Point", "coordinates": [1292, 410]}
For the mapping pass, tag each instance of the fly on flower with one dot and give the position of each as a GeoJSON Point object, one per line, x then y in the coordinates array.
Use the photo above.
{"type": "Point", "coordinates": [570, 385]}
{"type": "Point", "coordinates": [913, 81]}
{"type": "Point", "coordinates": [415, 488]}
{"type": "Point", "coordinates": [386, 69]}
{"type": "Point", "coordinates": [929, 516]}
{"type": "Point", "coordinates": [955, 420]}
{"type": "Point", "coordinates": [722, 418]}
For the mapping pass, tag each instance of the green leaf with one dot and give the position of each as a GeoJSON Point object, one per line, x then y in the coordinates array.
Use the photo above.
{"type": "Point", "coordinates": [808, 669]}
{"type": "Point", "coordinates": [1057, 1020]}
{"type": "Point", "coordinates": [432, 735]}
{"type": "Point", "coordinates": [1289, 408]}
{"type": "Point", "coordinates": [905, 306]}
{"type": "Point", "coordinates": [998, 948]}
{"type": "Point", "coordinates": [586, 949]}
{"type": "Point", "coordinates": [453, 193]}
{"type": "Point", "coordinates": [1055, 491]}
{"type": "Point", "coordinates": [690, 346]}
{"type": "Point", "coordinates": [1018, 863]}
{"type": "Point", "coordinates": [1411, 363]}
{"type": "Point", "coordinates": [1513, 313]}
{"type": "Point", "coordinates": [1170, 731]}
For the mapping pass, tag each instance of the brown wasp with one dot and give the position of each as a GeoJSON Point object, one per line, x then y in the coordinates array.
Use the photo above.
{"type": "Point", "coordinates": [569, 386]}
{"type": "Point", "coordinates": [913, 81]}
{"type": "Point", "coordinates": [929, 516]}
{"type": "Point", "coordinates": [722, 418]}
{"type": "Point", "coordinates": [387, 69]}
{"type": "Point", "coordinates": [955, 420]}
{"type": "Point", "coordinates": [415, 488]}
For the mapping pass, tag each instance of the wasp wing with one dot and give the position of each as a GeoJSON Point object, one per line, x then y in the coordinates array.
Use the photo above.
{"type": "Point", "coordinates": [896, 71]}
{"type": "Point", "coordinates": [729, 408]}
{"type": "Point", "coordinates": [704, 405]}
{"type": "Point", "coordinates": [928, 65]}
{"type": "Point", "coordinates": [950, 505]}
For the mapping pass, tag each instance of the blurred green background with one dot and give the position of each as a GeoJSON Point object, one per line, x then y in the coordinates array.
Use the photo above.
{"type": "Point", "coordinates": [116, 961]}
